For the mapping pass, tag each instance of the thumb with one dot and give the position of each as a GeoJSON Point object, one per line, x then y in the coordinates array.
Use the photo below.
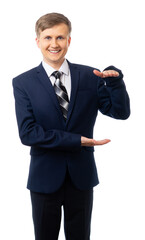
{"type": "Point", "coordinates": [97, 73]}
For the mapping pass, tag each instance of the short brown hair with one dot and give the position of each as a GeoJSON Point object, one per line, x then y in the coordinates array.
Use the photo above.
{"type": "Point", "coordinates": [49, 20]}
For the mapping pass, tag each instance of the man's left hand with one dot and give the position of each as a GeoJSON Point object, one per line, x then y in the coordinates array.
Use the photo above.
{"type": "Point", "coordinates": [107, 73]}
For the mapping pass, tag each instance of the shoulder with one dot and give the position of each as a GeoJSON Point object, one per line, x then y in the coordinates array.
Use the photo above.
{"type": "Point", "coordinates": [26, 76]}
{"type": "Point", "coordinates": [85, 72]}
{"type": "Point", "coordinates": [87, 78]}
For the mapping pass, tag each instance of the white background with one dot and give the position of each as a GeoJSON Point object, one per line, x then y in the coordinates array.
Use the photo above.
{"type": "Point", "coordinates": [104, 33]}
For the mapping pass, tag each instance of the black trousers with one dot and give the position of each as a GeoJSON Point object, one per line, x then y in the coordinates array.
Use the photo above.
{"type": "Point", "coordinates": [77, 205]}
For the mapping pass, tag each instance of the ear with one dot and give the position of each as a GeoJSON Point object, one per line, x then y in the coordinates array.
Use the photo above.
{"type": "Point", "coordinates": [69, 40]}
{"type": "Point", "coordinates": [37, 42]}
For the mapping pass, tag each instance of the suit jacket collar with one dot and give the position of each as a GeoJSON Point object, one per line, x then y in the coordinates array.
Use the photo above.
{"type": "Point", "coordinates": [74, 86]}
{"type": "Point", "coordinates": [49, 70]}
{"type": "Point", "coordinates": [75, 76]}
{"type": "Point", "coordinates": [43, 77]}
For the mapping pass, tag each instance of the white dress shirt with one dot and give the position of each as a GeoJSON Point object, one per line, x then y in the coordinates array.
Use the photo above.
{"type": "Point", "coordinates": [65, 77]}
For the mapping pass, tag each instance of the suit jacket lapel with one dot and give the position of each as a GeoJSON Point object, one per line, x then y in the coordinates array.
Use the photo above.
{"type": "Point", "coordinates": [42, 75]}
{"type": "Point", "coordinates": [74, 86]}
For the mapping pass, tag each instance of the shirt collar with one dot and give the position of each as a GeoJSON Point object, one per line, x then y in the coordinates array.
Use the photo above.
{"type": "Point", "coordinates": [64, 68]}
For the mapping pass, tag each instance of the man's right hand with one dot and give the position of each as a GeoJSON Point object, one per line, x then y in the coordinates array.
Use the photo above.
{"type": "Point", "coordinates": [88, 142]}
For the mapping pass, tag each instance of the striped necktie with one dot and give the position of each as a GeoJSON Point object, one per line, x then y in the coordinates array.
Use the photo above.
{"type": "Point", "coordinates": [61, 93]}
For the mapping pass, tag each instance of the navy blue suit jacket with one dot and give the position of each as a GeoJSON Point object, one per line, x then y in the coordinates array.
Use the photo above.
{"type": "Point", "coordinates": [56, 144]}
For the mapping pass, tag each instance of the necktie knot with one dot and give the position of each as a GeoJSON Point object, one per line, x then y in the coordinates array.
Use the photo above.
{"type": "Point", "coordinates": [57, 74]}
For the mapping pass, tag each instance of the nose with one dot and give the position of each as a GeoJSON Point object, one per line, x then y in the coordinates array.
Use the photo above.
{"type": "Point", "coordinates": [54, 43]}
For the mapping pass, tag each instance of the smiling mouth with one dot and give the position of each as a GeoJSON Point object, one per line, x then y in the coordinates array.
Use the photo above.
{"type": "Point", "coordinates": [54, 51]}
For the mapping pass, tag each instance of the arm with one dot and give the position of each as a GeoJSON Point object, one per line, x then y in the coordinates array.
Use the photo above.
{"type": "Point", "coordinates": [32, 134]}
{"type": "Point", "coordinates": [114, 100]}
{"type": "Point", "coordinates": [113, 97]}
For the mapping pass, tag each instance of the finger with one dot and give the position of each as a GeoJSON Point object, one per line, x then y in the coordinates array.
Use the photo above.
{"type": "Point", "coordinates": [102, 142]}
{"type": "Point", "coordinates": [110, 73]}
{"type": "Point", "coordinates": [97, 73]}
{"type": "Point", "coordinates": [91, 142]}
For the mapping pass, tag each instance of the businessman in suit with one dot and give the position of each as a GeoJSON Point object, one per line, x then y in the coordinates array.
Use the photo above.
{"type": "Point", "coordinates": [56, 108]}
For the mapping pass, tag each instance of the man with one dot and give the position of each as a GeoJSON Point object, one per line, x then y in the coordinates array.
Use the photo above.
{"type": "Point", "coordinates": [56, 108]}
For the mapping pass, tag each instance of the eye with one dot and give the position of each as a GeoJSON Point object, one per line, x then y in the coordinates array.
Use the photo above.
{"type": "Point", "coordinates": [60, 38]}
{"type": "Point", "coordinates": [48, 37]}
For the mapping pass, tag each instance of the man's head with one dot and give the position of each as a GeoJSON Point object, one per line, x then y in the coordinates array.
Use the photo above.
{"type": "Point", "coordinates": [53, 38]}
{"type": "Point", "coordinates": [50, 20]}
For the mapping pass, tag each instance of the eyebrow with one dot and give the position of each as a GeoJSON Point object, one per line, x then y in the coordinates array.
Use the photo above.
{"type": "Point", "coordinates": [60, 35]}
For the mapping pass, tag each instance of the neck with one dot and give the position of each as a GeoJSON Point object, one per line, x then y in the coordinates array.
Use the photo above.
{"type": "Point", "coordinates": [55, 65]}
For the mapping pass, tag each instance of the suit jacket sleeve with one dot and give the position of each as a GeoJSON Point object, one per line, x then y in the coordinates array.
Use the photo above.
{"type": "Point", "coordinates": [32, 134]}
{"type": "Point", "coordinates": [113, 97]}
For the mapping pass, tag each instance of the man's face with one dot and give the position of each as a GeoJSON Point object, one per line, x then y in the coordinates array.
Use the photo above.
{"type": "Point", "coordinates": [53, 43]}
